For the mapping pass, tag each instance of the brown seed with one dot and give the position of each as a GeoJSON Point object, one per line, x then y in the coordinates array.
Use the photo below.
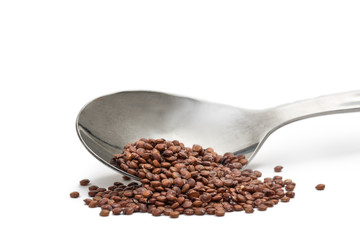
{"type": "Point", "coordinates": [187, 204]}
{"type": "Point", "coordinates": [147, 193]}
{"type": "Point", "coordinates": [257, 173]}
{"type": "Point", "coordinates": [191, 182]}
{"type": "Point", "coordinates": [104, 213]}
{"type": "Point", "coordinates": [116, 211]}
{"type": "Point", "coordinates": [170, 197]}
{"type": "Point", "coordinates": [166, 182]}
{"type": "Point", "coordinates": [175, 205]}
{"type": "Point", "coordinates": [142, 207]}
{"type": "Point", "coordinates": [228, 182]}
{"type": "Point", "coordinates": [156, 212]}
{"type": "Point", "coordinates": [185, 188]}
{"type": "Point", "coordinates": [174, 214]}
{"type": "Point", "coordinates": [87, 201]}
{"type": "Point", "coordinates": [165, 164]}
{"type": "Point", "coordinates": [180, 200]}
{"type": "Point", "coordinates": [193, 194]}
{"type": "Point", "coordinates": [106, 207]}
{"type": "Point", "coordinates": [217, 198]}
{"type": "Point", "coordinates": [128, 193]}
{"type": "Point", "coordinates": [189, 211]}
{"type": "Point", "coordinates": [148, 146]}
{"type": "Point", "coordinates": [197, 203]}
{"type": "Point", "coordinates": [93, 187]}
{"type": "Point", "coordinates": [206, 197]}
{"type": "Point", "coordinates": [103, 201]}
{"type": "Point", "coordinates": [128, 210]}
{"type": "Point", "coordinates": [196, 148]}
{"type": "Point", "coordinates": [84, 182]}
{"type": "Point", "coordinates": [167, 211]}
{"type": "Point", "coordinates": [175, 149]}
{"type": "Point", "coordinates": [155, 183]}
{"type": "Point", "coordinates": [204, 173]}
{"type": "Point", "coordinates": [290, 194]}
{"type": "Point", "coordinates": [156, 163]}
{"type": "Point", "coordinates": [160, 147]}
{"type": "Point", "coordinates": [161, 198]}
{"type": "Point", "coordinates": [285, 199]}
{"type": "Point", "coordinates": [244, 161]}
{"type": "Point", "coordinates": [287, 181]}
{"type": "Point", "coordinates": [249, 210]}
{"type": "Point", "coordinates": [210, 211]}
{"type": "Point", "coordinates": [238, 207]}
{"type": "Point", "coordinates": [178, 182]}
{"type": "Point", "coordinates": [74, 194]}
{"type": "Point", "coordinates": [320, 187]}
{"type": "Point", "coordinates": [93, 204]}
{"type": "Point", "coordinates": [218, 183]}
{"type": "Point", "coordinates": [168, 155]}
{"type": "Point", "coordinates": [199, 211]}
{"type": "Point", "coordinates": [278, 168]}
{"type": "Point", "coordinates": [126, 178]}
{"type": "Point", "coordinates": [262, 207]}
{"type": "Point", "coordinates": [157, 157]}
{"type": "Point", "coordinates": [220, 212]}
{"type": "Point", "coordinates": [289, 187]}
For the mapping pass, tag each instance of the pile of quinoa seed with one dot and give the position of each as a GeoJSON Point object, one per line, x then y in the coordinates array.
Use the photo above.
{"type": "Point", "coordinates": [179, 180]}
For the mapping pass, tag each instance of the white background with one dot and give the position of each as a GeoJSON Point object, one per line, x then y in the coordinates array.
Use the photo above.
{"type": "Point", "coordinates": [55, 56]}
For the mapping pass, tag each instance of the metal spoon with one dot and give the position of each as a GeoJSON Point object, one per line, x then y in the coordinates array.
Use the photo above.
{"type": "Point", "coordinates": [107, 123]}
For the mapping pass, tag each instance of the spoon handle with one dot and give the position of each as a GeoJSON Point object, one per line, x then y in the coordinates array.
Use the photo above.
{"type": "Point", "coordinates": [335, 103]}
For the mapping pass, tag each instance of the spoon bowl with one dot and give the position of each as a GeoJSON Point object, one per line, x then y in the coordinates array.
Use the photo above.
{"type": "Point", "coordinates": [107, 123]}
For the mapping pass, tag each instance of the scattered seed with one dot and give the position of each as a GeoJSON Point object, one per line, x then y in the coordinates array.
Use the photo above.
{"type": "Point", "coordinates": [278, 168]}
{"type": "Point", "coordinates": [320, 187]}
{"type": "Point", "coordinates": [84, 182]}
{"type": "Point", "coordinates": [74, 194]}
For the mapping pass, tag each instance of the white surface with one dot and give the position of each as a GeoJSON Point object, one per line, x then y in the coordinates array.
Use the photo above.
{"type": "Point", "coordinates": [55, 56]}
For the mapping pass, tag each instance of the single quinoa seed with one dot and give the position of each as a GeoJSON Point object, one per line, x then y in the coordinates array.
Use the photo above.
{"type": "Point", "coordinates": [220, 212]}
{"type": "Point", "coordinates": [93, 187]}
{"type": "Point", "coordinates": [126, 178]}
{"type": "Point", "coordinates": [104, 213]}
{"type": "Point", "coordinates": [320, 187]}
{"type": "Point", "coordinates": [116, 211]}
{"type": "Point", "coordinates": [174, 214]}
{"type": "Point", "coordinates": [278, 168]}
{"type": "Point", "coordinates": [74, 194]}
{"type": "Point", "coordinates": [84, 182]}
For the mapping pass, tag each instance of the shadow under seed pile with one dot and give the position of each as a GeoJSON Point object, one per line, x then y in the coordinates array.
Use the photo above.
{"type": "Point", "coordinates": [181, 180]}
